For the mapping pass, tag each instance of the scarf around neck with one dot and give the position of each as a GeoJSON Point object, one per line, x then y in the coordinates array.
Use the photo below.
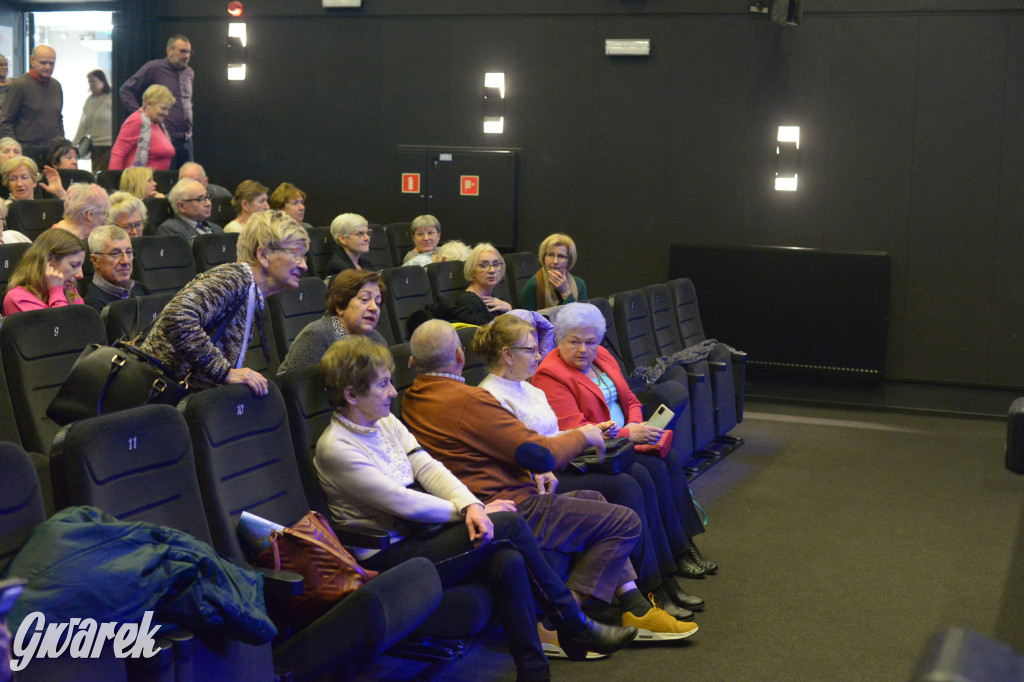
{"type": "Point", "coordinates": [547, 295]}
{"type": "Point", "coordinates": [145, 137]}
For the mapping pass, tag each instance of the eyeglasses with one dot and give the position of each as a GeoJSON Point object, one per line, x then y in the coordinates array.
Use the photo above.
{"type": "Point", "coordinates": [133, 227]}
{"type": "Point", "coordinates": [118, 254]}
{"type": "Point", "coordinates": [298, 255]}
{"type": "Point", "coordinates": [530, 350]}
{"type": "Point", "coordinates": [556, 256]}
{"type": "Point", "coordinates": [428, 233]}
{"type": "Point", "coordinates": [361, 233]}
{"type": "Point", "coordinates": [485, 265]}
{"type": "Point", "coordinates": [200, 199]}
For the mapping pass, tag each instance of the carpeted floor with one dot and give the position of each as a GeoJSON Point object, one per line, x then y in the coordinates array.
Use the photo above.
{"type": "Point", "coordinates": [846, 539]}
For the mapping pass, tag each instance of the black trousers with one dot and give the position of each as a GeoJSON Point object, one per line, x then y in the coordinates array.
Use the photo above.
{"type": "Point", "coordinates": [511, 566]}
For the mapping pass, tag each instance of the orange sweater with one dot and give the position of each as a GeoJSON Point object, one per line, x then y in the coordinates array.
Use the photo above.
{"type": "Point", "coordinates": [468, 430]}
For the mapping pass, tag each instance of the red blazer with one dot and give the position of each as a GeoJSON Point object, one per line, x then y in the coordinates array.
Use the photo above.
{"type": "Point", "coordinates": [576, 399]}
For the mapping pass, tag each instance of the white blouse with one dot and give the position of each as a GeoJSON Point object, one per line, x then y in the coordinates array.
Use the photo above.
{"type": "Point", "coordinates": [527, 402]}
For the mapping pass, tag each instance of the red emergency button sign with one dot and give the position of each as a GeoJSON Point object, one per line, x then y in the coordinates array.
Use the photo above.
{"type": "Point", "coordinates": [469, 185]}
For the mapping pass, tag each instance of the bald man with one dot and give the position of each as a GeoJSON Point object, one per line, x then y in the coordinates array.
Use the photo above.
{"type": "Point", "coordinates": [32, 108]}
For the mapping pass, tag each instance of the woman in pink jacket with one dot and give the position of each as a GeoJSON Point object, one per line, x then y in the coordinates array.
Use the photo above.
{"type": "Point", "coordinates": [143, 141]}
{"type": "Point", "coordinates": [47, 274]}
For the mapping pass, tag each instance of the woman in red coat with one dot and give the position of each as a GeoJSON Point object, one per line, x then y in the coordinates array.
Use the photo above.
{"type": "Point", "coordinates": [584, 385]}
{"type": "Point", "coordinates": [143, 141]}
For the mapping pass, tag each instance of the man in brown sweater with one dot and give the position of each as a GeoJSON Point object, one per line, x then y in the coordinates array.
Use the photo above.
{"type": "Point", "coordinates": [32, 110]}
{"type": "Point", "coordinates": [468, 430]}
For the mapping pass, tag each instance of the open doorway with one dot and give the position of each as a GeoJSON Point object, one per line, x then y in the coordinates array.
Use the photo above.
{"type": "Point", "coordinates": [82, 41]}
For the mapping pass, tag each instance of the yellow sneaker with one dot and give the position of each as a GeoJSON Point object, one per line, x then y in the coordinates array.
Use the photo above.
{"type": "Point", "coordinates": [549, 642]}
{"type": "Point", "coordinates": [657, 625]}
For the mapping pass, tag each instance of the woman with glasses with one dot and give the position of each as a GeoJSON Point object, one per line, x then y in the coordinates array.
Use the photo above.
{"type": "Point", "coordinates": [553, 285]}
{"type": "Point", "coordinates": [85, 208]}
{"type": "Point", "coordinates": [354, 302]}
{"type": "Point", "coordinates": [352, 234]}
{"type": "Point", "coordinates": [127, 212]}
{"type": "Point", "coordinates": [110, 250]}
{"type": "Point", "coordinates": [510, 347]}
{"type": "Point", "coordinates": [47, 275]}
{"type": "Point", "coordinates": [426, 233]}
{"type": "Point", "coordinates": [227, 299]}
{"type": "Point", "coordinates": [584, 385]}
{"type": "Point", "coordinates": [484, 269]}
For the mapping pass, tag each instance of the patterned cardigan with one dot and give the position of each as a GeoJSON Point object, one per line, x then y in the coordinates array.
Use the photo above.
{"type": "Point", "coordinates": [180, 338]}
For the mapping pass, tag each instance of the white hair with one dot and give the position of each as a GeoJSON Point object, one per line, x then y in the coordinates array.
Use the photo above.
{"type": "Point", "coordinates": [574, 317]}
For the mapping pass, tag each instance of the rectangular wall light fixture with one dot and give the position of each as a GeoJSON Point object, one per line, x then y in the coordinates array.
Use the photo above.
{"type": "Point", "coordinates": [787, 158]}
{"type": "Point", "coordinates": [627, 47]}
{"type": "Point", "coordinates": [494, 103]}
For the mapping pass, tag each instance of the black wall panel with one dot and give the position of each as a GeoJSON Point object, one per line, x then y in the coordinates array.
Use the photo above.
{"type": "Point", "coordinates": [910, 142]}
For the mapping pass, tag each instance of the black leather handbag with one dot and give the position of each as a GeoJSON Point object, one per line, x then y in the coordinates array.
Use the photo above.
{"type": "Point", "coordinates": [108, 379]}
{"type": "Point", "coordinates": [619, 455]}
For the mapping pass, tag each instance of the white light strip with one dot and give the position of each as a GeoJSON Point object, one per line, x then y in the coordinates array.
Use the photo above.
{"type": "Point", "coordinates": [789, 134]}
{"type": "Point", "coordinates": [236, 73]}
{"type": "Point", "coordinates": [237, 30]}
{"type": "Point", "coordinates": [494, 125]}
{"type": "Point", "coordinates": [785, 184]}
{"type": "Point", "coordinates": [495, 80]}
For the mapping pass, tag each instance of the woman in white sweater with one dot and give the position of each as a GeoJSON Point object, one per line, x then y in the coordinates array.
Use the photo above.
{"type": "Point", "coordinates": [374, 472]}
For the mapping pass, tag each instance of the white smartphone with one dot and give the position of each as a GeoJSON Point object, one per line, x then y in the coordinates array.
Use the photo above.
{"type": "Point", "coordinates": [661, 417]}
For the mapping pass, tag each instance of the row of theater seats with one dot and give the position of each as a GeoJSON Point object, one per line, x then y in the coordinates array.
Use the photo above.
{"type": "Point", "coordinates": [195, 469]}
{"type": "Point", "coordinates": [32, 217]}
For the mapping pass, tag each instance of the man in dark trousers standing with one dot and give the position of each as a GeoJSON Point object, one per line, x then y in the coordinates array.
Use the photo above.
{"type": "Point", "coordinates": [176, 75]}
{"type": "Point", "coordinates": [32, 109]}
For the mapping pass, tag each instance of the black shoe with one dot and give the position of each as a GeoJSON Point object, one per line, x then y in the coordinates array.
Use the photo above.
{"type": "Point", "coordinates": [688, 568]}
{"type": "Point", "coordinates": [710, 567]}
{"type": "Point", "coordinates": [679, 596]}
{"type": "Point", "coordinates": [666, 604]}
{"type": "Point", "coordinates": [576, 639]}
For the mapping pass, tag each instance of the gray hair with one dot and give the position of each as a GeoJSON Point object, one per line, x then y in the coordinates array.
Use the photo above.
{"type": "Point", "coordinates": [176, 37]}
{"type": "Point", "coordinates": [452, 249]}
{"type": "Point", "coordinates": [99, 237]}
{"type": "Point", "coordinates": [574, 317]}
{"type": "Point", "coordinates": [422, 222]}
{"type": "Point", "coordinates": [83, 197]}
{"type": "Point", "coordinates": [123, 204]}
{"type": "Point", "coordinates": [433, 345]}
{"type": "Point", "coordinates": [474, 257]}
{"type": "Point", "coordinates": [345, 223]}
{"type": "Point", "coordinates": [180, 187]}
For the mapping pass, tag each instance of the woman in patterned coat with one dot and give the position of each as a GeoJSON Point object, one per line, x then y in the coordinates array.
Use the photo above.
{"type": "Point", "coordinates": [271, 259]}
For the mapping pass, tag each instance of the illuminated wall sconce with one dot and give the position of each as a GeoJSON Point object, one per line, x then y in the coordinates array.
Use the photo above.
{"type": "Point", "coordinates": [236, 51]}
{"type": "Point", "coordinates": [494, 103]}
{"type": "Point", "coordinates": [623, 47]}
{"type": "Point", "coordinates": [787, 158]}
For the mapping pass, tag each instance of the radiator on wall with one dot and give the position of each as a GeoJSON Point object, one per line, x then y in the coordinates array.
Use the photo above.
{"type": "Point", "coordinates": [793, 308]}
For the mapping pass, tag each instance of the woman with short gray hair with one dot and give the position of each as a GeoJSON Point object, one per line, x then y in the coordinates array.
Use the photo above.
{"type": "Point", "coordinates": [584, 385]}
{"type": "Point", "coordinates": [352, 234]}
{"type": "Point", "coordinates": [425, 231]}
{"type": "Point", "coordinates": [127, 212]}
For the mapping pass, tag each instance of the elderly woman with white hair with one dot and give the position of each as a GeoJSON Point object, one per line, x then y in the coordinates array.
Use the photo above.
{"type": "Point", "coordinates": [127, 212]}
{"type": "Point", "coordinates": [584, 385]}
{"type": "Point", "coordinates": [9, 147]}
{"type": "Point", "coordinates": [85, 208]}
{"type": "Point", "coordinates": [226, 298]}
{"type": "Point", "coordinates": [352, 233]}
{"type": "Point", "coordinates": [484, 270]}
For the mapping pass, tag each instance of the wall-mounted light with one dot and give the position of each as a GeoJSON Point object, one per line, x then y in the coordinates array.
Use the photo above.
{"type": "Point", "coordinates": [494, 103]}
{"type": "Point", "coordinates": [236, 51]}
{"type": "Point", "coordinates": [235, 9]}
{"type": "Point", "coordinates": [787, 158]}
{"type": "Point", "coordinates": [632, 47]}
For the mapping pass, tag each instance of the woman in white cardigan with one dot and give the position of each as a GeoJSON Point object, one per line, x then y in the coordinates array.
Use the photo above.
{"type": "Point", "coordinates": [374, 472]}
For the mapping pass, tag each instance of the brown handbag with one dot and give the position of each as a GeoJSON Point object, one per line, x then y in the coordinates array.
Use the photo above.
{"type": "Point", "coordinates": [329, 571]}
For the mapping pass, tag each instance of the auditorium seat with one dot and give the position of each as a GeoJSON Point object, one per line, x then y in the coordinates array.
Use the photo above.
{"type": "Point", "coordinates": [163, 263]}
{"type": "Point", "coordinates": [403, 376]}
{"type": "Point", "coordinates": [254, 356]}
{"type": "Point", "coordinates": [399, 240]}
{"type": "Point", "coordinates": [109, 180]}
{"type": "Point", "coordinates": [380, 249]}
{"type": "Point", "coordinates": [129, 316]}
{"type": "Point", "coordinates": [221, 210]}
{"type": "Point", "coordinates": [520, 267]}
{"type": "Point", "coordinates": [475, 368]}
{"type": "Point", "coordinates": [38, 348]}
{"type": "Point", "coordinates": [10, 255]}
{"type": "Point", "coordinates": [691, 331]}
{"type": "Point", "coordinates": [70, 175]}
{"type": "Point", "coordinates": [158, 209]}
{"type": "Point", "coordinates": [209, 250]}
{"type": "Point", "coordinates": [165, 180]}
{"type": "Point", "coordinates": [290, 311]}
{"type": "Point", "coordinates": [447, 279]}
{"type": "Point", "coordinates": [408, 292]}
{"type": "Point", "coordinates": [254, 469]}
{"type": "Point", "coordinates": [32, 217]}
{"type": "Point", "coordinates": [321, 249]}
{"type": "Point", "coordinates": [665, 331]}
